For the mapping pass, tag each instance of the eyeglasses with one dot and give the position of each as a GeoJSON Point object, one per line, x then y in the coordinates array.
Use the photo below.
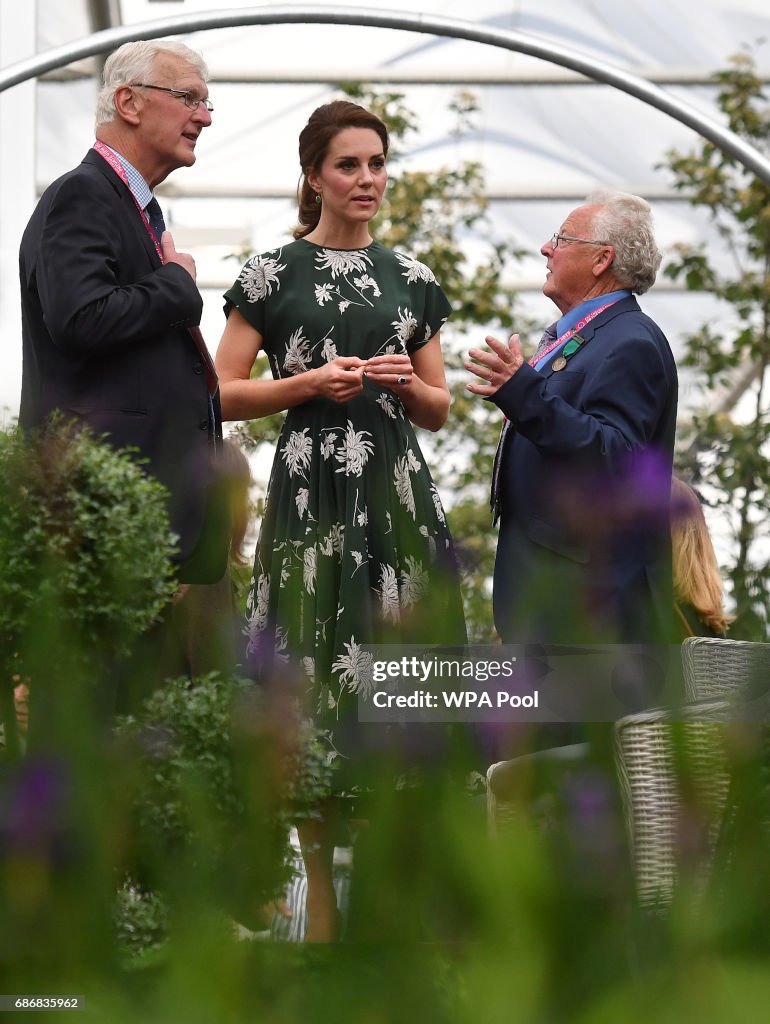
{"type": "Point", "coordinates": [190, 99]}
{"type": "Point", "coordinates": [556, 238]}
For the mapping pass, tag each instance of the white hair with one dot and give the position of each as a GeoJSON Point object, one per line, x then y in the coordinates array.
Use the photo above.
{"type": "Point", "coordinates": [625, 222]}
{"type": "Point", "coordinates": [135, 62]}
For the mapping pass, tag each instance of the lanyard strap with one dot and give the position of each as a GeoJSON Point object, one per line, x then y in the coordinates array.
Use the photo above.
{"type": "Point", "coordinates": [106, 153]}
{"type": "Point", "coordinates": [571, 331]}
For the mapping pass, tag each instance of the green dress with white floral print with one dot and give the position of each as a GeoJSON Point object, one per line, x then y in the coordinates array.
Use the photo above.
{"type": "Point", "coordinates": [354, 547]}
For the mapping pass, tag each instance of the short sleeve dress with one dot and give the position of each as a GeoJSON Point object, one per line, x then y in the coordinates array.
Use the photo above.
{"type": "Point", "coordinates": [354, 547]}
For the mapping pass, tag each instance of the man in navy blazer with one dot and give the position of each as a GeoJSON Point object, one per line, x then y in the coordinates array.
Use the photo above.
{"type": "Point", "coordinates": [109, 307]}
{"type": "Point", "coordinates": [583, 471]}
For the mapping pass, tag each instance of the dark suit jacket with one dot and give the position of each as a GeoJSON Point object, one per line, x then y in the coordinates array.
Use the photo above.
{"type": "Point", "coordinates": [105, 339]}
{"type": "Point", "coordinates": [584, 552]}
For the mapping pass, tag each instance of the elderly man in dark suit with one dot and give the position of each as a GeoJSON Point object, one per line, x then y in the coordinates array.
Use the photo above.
{"type": "Point", "coordinates": [583, 470]}
{"type": "Point", "coordinates": [109, 307]}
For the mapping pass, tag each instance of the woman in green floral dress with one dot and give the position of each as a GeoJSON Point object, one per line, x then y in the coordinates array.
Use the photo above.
{"type": "Point", "coordinates": [354, 547]}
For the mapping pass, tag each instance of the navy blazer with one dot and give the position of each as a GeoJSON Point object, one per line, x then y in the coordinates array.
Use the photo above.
{"type": "Point", "coordinates": [106, 341]}
{"type": "Point", "coordinates": [584, 551]}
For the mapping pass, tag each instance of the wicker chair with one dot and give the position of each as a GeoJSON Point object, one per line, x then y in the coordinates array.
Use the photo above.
{"type": "Point", "coordinates": [674, 782]}
{"type": "Point", "coordinates": [512, 785]}
{"type": "Point", "coordinates": [716, 669]}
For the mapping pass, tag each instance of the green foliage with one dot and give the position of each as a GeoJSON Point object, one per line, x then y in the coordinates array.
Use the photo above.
{"type": "Point", "coordinates": [141, 921]}
{"type": "Point", "coordinates": [182, 739]}
{"type": "Point", "coordinates": [83, 531]}
{"type": "Point", "coordinates": [85, 547]}
{"type": "Point", "coordinates": [216, 782]}
{"type": "Point", "coordinates": [736, 466]}
{"type": "Point", "coordinates": [731, 455]}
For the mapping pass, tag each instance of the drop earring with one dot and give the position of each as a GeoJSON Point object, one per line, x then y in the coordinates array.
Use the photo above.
{"type": "Point", "coordinates": [318, 198]}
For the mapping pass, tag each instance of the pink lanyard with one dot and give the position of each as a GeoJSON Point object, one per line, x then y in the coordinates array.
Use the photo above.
{"type": "Point", "coordinates": [106, 153]}
{"type": "Point", "coordinates": [572, 330]}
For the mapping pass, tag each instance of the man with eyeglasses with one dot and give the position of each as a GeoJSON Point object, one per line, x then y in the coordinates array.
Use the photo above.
{"type": "Point", "coordinates": [110, 315]}
{"type": "Point", "coordinates": [110, 309]}
{"type": "Point", "coordinates": [583, 470]}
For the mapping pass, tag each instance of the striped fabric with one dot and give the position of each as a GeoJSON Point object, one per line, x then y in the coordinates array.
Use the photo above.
{"type": "Point", "coordinates": [292, 929]}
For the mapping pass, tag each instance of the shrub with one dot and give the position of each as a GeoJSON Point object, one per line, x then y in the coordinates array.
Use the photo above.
{"type": "Point", "coordinates": [216, 783]}
{"type": "Point", "coordinates": [84, 530]}
{"type": "Point", "coordinates": [85, 547]}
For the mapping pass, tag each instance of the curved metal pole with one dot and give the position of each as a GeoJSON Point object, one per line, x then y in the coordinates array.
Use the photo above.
{"type": "Point", "coordinates": [455, 28]}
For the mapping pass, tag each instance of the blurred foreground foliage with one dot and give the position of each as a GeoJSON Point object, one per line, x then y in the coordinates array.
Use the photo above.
{"type": "Point", "coordinates": [447, 924]}
{"type": "Point", "coordinates": [191, 793]}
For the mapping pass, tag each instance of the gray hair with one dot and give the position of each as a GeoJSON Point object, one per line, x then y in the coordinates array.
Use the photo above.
{"type": "Point", "coordinates": [625, 222]}
{"type": "Point", "coordinates": [135, 62]}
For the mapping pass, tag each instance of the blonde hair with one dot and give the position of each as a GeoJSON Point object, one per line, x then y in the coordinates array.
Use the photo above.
{"type": "Point", "coordinates": [697, 579]}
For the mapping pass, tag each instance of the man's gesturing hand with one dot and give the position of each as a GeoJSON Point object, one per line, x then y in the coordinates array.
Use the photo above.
{"type": "Point", "coordinates": [495, 365]}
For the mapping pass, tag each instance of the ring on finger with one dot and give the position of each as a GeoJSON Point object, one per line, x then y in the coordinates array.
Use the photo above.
{"type": "Point", "coordinates": [401, 380]}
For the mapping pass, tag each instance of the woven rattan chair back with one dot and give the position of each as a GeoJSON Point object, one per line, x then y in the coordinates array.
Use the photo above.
{"type": "Point", "coordinates": [717, 669]}
{"type": "Point", "coordinates": [674, 782]}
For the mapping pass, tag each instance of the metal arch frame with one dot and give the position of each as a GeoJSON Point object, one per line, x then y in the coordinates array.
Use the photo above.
{"type": "Point", "coordinates": [456, 28]}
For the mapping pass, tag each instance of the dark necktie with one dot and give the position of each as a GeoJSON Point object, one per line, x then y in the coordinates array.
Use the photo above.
{"type": "Point", "coordinates": [155, 217]}
{"type": "Point", "coordinates": [549, 336]}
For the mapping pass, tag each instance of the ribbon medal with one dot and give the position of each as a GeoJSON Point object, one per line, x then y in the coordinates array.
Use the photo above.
{"type": "Point", "coordinates": [569, 350]}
